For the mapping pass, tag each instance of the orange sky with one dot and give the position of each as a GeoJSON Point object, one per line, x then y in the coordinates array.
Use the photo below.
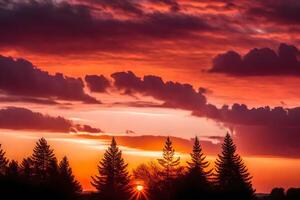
{"type": "Point", "coordinates": [176, 41]}
{"type": "Point", "coordinates": [84, 155]}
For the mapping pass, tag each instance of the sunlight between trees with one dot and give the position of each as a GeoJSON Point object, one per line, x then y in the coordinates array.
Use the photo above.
{"type": "Point", "coordinates": [41, 176]}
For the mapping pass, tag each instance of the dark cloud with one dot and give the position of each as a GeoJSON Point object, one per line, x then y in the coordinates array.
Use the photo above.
{"type": "Point", "coordinates": [258, 62]}
{"type": "Point", "coordinates": [282, 11]}
{"type": "Point", "coordinates": [173, 94]}
{"type": "Point", "coordinates": [60, 28]}
{"type": "Point", "coordinates": [44, 101]}
{"type": "Point", "coordinates": [97, 83]}
{"type": "Point", "coordinates": [20, 77]}
{"type": "Point", "coordinates": [240, 114]}
{"type": "Point", "coordinates": [272, 131]}
{"type": "Point", "coordinates": [276, 127]}
{"type": "Point", "coordinates": [87, 128]}
{"type": "Point", "coordinates": [16, 118]}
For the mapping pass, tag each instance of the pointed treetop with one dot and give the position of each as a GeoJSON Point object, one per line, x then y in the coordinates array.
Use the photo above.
{"type": "Point", "coordinates": [169, 162]}
{"type": "Point", "coordinates": [231, 171]}
{"type": "Point", "coordinates": [198, 164]}
{"type": "Point", "coordinates": [113, 142]}
{"type": "Point", "coordinates": [67, 178]}
{"type": "Point", "coordinates": [43, 160]}
{"type": "Point", "coordinates": [112, 173]}
{"type": "Point", "coordinates": [198, 158]}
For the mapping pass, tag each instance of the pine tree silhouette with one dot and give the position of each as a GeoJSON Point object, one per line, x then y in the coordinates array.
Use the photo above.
{"type": "Point", "coordinates": [232, 176]}
{"type": "Point", "coordinates": [170, 169]}
{"type": "Point", "coordinates": [43, 160]}
{"type": "Point", "coordinates": [169, 163]}
{"type": "Point", "coordinates": [113, 179]}
{"type": "Point", "coordinates": [12, 169]}
{"type": "Point", "coordinates": [26, 169]}
{"type": "Point", "coordinates": [70, 186]}
{"type": "Point", "coordinates": [195, 183]}
{"type": "Point", "coordinates": [198, 165]}
{"type": "Point", "coordinates": [3, 162]}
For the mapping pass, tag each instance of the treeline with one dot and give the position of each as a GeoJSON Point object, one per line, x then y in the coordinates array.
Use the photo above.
{"type": "Point", "coordinates": [280, 194]}
{"type": "Point", "coordinates": [169, 180]}
{"type": "Point", "coordinates": [41, 176]}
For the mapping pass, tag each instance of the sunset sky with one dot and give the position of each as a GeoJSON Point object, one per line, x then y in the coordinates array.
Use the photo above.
{"type": "Point", "coordinates": [77, 71]}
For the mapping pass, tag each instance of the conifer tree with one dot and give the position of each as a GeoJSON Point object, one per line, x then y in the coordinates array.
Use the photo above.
{"type": "Point", "coordinates": [26, 168]}
{"type": "Point", "coordinates": [169, 163]}
{"type": "Point", "coordinates": [12, 169]}
{"type": "Point", "coordinates": [67, 180]}
{"type": "Point", "coordinates": [198, 165]}
{"type": "Point", "coordinates": [43, 160]}
{"type": "Point", "coordinates": [232, 176]}
{"type": "Point", "coordinates": [113, 179]}
{"type": "Point", "coordinates": [195, 183]}
{"type": "Point", "coordinates": [3, 162]}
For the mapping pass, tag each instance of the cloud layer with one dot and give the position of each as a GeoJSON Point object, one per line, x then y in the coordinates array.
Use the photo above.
{"type": "Point", "coordinates": [173, 94]}
{"type": "Point", "coordinates": [20, 77]}
{"type": "Point", "coordinates": [265, 126]}
{"type": "Point", "coordinates": [56, 28]}
{"type": "Point", "coordinates": [24, 119]}
{"type": "Point", "coordinates": [262, 61]}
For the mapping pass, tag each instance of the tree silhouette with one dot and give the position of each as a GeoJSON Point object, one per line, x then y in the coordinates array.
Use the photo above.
{"type": "Point", "coordinates": [198, 165]}
{"type": "Point", "coordinates": [12, 169]}
{"type": "Point", "coordinates": [293, 194]}
{"type": "Point", "coordinates": [43, 160]}
{"type": "Point", "coordinates": [169, 163]}
{"type": "Point", "coordinates": [170, 169]}
{"type": "Point", "coordinates": [113, 179]}
{"type": "Point", "coordinates": [69, 185]}
{"type": "Point", "coordinates": [149, 173]}
{"type": "Point", "coordinates": [26, 168]}
{"type": "Point", "coordinates": [3, 162]}
{"type": "Point", "coordinates": [195, 183]}
{"type": "Point", "coordinates": [277, 194]}
{"type": "Point", "coordinates": [232, 176]}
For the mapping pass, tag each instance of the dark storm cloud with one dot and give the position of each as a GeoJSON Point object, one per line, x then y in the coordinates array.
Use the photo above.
{"type": "Point", "coordinates": [173, 94]}
{"type": "Point", "coordinates": [48, 27]}
{"type": "Point", "coordinates": [97, 83]}
{"type": "Point", "coordinates": [16, 118]}
{"type": "Point", "coordinates": [282, 11]}
{"type": "Point", "coordinates": [20, 77]}
{"type": "Point", "coordinates": [257, 62]}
